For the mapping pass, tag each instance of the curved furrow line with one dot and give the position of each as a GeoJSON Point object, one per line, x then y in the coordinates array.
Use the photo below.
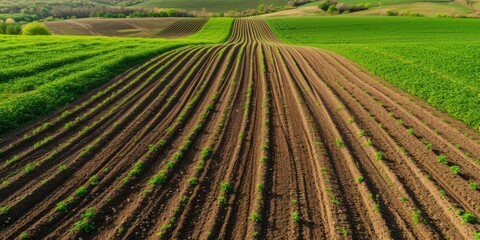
{"type": "Point", "coordinates": [151, 211]}
{"type": "Point", "coordinates": [203, 195]}
{"type": "Point", "coordinates": [192, 126]}
{"type": "Point", "coordinates": [180, 118]}
{"type": "Point", "coordinates": [321, 97]}
{"type": "Point", "coordinates": [158, 116]}
{"type": "Point", "coordinates": [264, 168]}
{"type": "Point", "coordinates": [207, 142]}
{"type": "Point", "coordinates": [88, 27]}
{"type": "Point", "coordinates": [255, 204]}
{"type": "Point", "coordinates": [92, 115]}
{"type": "Point", "coordinates": [428, 158]}
{"type": "Point", "coordinates": [22, 199]}
{"type": "Point", "coordinates": [59, 129]}
{"type": "Point", "coordinates": [78, 146]}
{"type": "Point", "coordinates": [257, 178]}
{"type": "Point", "coordinates": [284, 189]}
{"type": "Point", "coordinates": [370, 168]}
{"type": "Point", "coordinates": [292, 124]}
{"type": "Point", "coordinates": [146, 31]}
{"type": "Point", "coordinates": [182, 28]}
{"type": "Point", "coordinates": [160, 119]}
{"type": "Point", "coordinates": [251, 33]}
{"type": "Point", "coordinates": [102, 160]}
{"type": "Point", "coordinates": [247, 139]}
{"type": "Point", "coordinates": [336, 218]}
{"type": "Point", "coordinates": [228, 171]}
{"type": "Point", "coordinates": [429, 116]}
{"type": "Point", "coordinates": [221, 229]}
{"type": "Point", "coordinates": [441, 145]}
{"type": "Point", "coordinates": [115, 205]}
{"type": "Point", "coordinates": [238, 32]}
{"type": "Point", "coordinates": [267, 35]}
{"type": "Point", "coordinates": [394, 150]}
{"type": "Point", "coordinates": [243, 204]}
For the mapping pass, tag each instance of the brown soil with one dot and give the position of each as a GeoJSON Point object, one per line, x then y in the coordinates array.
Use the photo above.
{"type": "Point", "coordinates": [287, 129]}
{"type": "Point", "coordinates": [182, 28]}
{"type": "Point", "coordinates": [128, 27]}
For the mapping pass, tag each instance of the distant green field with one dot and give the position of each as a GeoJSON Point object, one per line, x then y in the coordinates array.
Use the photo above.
{"type": "Point", "coordinates": [425, 8]}
{"type": "Point", "coordinates": [42, 73]}
{"type": "Point", "coordinates": [10, 15]}
{"type": "Point", "coordinates": [211, 5]}
{"type": "Point", "coordinates": [388, 2]}
{"type": "Point", "coordinates": [435, 59]}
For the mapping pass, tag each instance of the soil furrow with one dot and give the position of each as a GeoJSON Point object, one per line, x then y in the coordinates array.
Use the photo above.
{"type": "Point", "coordinates": [247, 139]}
{"type": "Point", "coordinates": [371, 131]}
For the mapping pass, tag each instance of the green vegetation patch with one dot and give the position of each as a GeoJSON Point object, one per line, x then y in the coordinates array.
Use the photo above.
{"type": "Point", "coordinates": [211, 5]}
{"type": "Point", "coordinates": [436, 59]}
{"type": "Point", "coordinates": [42, 73]}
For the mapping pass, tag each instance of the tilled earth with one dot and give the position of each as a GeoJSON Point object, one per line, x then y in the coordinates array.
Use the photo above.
{"type": "Point", "coordinates": [250, 138]}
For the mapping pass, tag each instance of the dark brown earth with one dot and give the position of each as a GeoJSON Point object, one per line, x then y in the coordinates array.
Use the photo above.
{"type": "Point", "coordinates": [287, 129]}
{"type": "Point", "coordinates": [127, 27]}
{"type": "Point", "coordinates": [182, 28]}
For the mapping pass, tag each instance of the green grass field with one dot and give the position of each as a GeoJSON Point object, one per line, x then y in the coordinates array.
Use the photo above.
{"type": "Point", "coordinates": [42, 73]}
{"type": "Point", "coordinates": [431, 8]}
{"type": "Point", "coordinates": [211, 5]}
{"type": "Point", "coordinates": [387, 2]}
{"type": "Point", "coordinates": [435, 59]}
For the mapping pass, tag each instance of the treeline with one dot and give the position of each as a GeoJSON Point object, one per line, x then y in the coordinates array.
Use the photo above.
{"type": "Point", "coordinates": [13, 6]}
{"type": "Point", "coordinates": [146, 14]}
{"type": "Point", "coordinates": [262, 9]}
{"type": "Point", "coordinates": [54, 10]}
{"type": "Point", "coordinates": [60, 13]}
{"type": "Point", "coordinates": [10, 27]}
{"type": "Point", "coordinates": [333, 7]}
{"type": "Point", "coordinates": [37, 10]}
{"type": "Point", "coordinates": [406, 13]}
{"type": "Point", "coordinates": [115, 12]}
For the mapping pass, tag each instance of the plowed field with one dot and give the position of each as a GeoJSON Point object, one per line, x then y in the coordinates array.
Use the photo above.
{"type": "Point", "coordinates": [182, 28]}
{"type": "Point", "coordinates": [251, 138]}
{"type": "Point", "coordinates": [129, 27]}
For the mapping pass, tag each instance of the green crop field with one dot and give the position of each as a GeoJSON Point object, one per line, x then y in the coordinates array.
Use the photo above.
{"type": "Point", "coordinates": [42, 73]}
{"type": "Point", "coordinates": [435, 59]}
{"type": "Point", "coordinates": [211, 5]}
{"type": "Point", "coordinates": [387, 2]}
{"type": "Point", "coordinates": [431, 8]}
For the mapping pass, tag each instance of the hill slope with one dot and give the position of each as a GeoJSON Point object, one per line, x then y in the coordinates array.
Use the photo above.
{"type": "Point", "coordinates": [211, 5]}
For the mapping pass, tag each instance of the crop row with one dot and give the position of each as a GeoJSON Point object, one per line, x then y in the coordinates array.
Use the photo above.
{"type": "Point", "coordinates": [388, 125]}
{"type": "Point", "coordinates": [406, 52]}
{"type": "Point", "coordinates": [84, 153]}
{"type": "Point", "coordinates": [53, 88]}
